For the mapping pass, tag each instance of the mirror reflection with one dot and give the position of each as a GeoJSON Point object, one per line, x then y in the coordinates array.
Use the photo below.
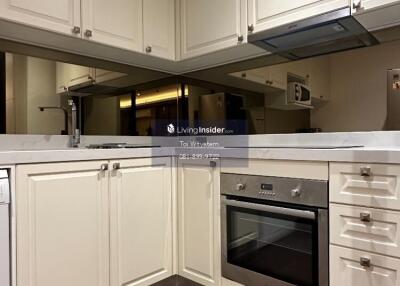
{"type": "Point", "coordinates": [329, 93]}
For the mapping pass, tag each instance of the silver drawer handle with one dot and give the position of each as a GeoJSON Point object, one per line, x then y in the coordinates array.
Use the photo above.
{"type": "Point", "coordinates": [104, 167]}
{"type": "Point", "coordinates": [365, 171]}
{"type": "Point", "coordinates": [365, 217]}
{"type": "Point", "coordinates": [365, 262]}
{"type": "Point", "coordinates": [116, 166]}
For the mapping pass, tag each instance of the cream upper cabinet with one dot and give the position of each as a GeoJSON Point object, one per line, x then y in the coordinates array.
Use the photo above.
{"type": "Point", "coordinates": [116, 23]}
{"type": "Point", "coordinates": [59, 16]}
{"type": "Point", "coordinates": [141, 221]}
{"type": "Point", "coordinates": [159, 28]}
{"type": "Point", "coordinates": [62, 224]}
{"type": "Point", "coordinates": [376, 14]}
{"type": "Point", "coordinates": [199, 221]}
{"type": "Point", "coordinates": [264, 15]}
{"type": "Point", "coordinates": [208, 26]}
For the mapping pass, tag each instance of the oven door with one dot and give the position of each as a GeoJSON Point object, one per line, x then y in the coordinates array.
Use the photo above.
{"type": "Point", "coordinates": [273, 245]}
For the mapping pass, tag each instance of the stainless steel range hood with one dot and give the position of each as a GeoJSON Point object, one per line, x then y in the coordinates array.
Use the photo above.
{"type": "Point", "coordinates": [322, 34]}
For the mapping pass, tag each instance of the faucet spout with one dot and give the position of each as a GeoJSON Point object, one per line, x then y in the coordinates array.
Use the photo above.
{"type": "Point", "coordinates": [75, 137]}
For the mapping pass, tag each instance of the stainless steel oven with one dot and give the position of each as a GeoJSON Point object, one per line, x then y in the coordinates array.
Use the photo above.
{"type": "Point", "coordinates": [274, 230]}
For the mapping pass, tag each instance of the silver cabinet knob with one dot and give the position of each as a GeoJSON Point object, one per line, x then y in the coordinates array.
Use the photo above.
{"type": "Point", "coordinates": [88, 33]}
{"type": "Point", "coordinates": [76, 30]}
{"type": "Point", "coordinates": [365, 171]}
{"type": "Point", "coordinates": [295, 193]}
{"type": "Point", "coordinates": [356, 4]}
{"type": "Point", "coordinates": [365, 217]}
{"type": "Point", "coordinates": [240, 187]}
{"type": "Point", "coordinates": [104, 167]}
{"type": "Point", "coordinates": [269, 82]}
{"type": "Point", "coordinates": [365, 262]}
{"type": "Point", "coordinates": [116, 166]}
{"type": "Point", "coordinates": [148, 49]}
{"type": "Point", "coordinates": [240, 38]}
{"type": "Point", "coordinates": [250, 28]}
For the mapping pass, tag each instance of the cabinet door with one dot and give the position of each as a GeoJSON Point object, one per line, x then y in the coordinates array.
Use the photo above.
{"type": "Point", "coordinates": [199, 222]}
{"type": "Point", "coordinates": [208, 26]}
{"type": "Point", "coordinates": [380, 188]}
{"type": "Point", "coordinates": [59, 16]}
{"type": "Point", "coordinates": [263, 15]}
{"type": "Point", "coordinates": [141, 221]}
{"type": "Point", "coordinates": [62, 224]}
{"type": "Point", "coordinates": [377, 232]}
{"type": "Point", "coordinates": [159, 28]}
{"type": "Point", "coordinates": [346, 269]}
{"type": "Point", "coordinates": [362, 6]}
{"type": "Point", "coordinates": [68, 75]}
{"type": "Point", "coordinates": [115, 23]}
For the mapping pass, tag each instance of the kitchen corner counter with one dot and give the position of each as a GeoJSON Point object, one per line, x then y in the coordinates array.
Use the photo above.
{"type": "Point", "coordinates": [362, 154]}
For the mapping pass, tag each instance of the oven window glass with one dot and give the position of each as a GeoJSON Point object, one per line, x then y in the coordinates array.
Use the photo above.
{"type": "Point", "coordinates": [276, 245]}
{"type": "Point", "coordinates": [305, 94]}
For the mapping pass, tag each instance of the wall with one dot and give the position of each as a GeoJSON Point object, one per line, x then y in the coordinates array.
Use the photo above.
{"type": "Point", "coordinates": [358, 87]}
{"type": "Point", "coordinates": [10, 100]}
{"type": "Point", "coordinates": [34, 85]}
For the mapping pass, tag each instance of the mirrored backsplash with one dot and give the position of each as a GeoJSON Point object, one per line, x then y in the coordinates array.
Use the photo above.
{"type": "Point", "coordinates": [355, 90]}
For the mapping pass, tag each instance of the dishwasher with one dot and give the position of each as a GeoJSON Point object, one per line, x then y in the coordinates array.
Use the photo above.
{"type": "Point", "coordinates": [5, 257]}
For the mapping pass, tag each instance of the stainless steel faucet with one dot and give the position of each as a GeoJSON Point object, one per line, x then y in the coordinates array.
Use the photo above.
{"type": "Point", "coordinates": [75, 137]}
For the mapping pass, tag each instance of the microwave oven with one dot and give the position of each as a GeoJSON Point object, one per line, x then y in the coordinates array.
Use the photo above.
{"type": "Point", "coordinates": [298, 93]}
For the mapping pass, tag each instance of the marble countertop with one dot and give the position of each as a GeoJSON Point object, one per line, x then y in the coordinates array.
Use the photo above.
{"type": "Point", "coordinates": [360, 154]}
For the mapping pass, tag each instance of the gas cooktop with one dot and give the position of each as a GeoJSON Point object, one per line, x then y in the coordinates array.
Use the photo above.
{"type": "Point", "coordinates": [119, 146]}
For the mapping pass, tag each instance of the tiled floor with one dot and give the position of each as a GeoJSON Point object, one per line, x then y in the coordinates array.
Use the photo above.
{"type": "Point", "coordinates": [176, 281]}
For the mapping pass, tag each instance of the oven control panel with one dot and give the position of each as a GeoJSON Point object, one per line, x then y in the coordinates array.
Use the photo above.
{"type": "Point", "coordinates": [290, 190]}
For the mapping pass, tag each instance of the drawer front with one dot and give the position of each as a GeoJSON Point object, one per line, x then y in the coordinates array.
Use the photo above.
{"type": "Point", "coordinates": [365, 228]}
{"type": "Point", "coordinates": [346, 269]}
{"type": "Point", "coordinates": [375, 185]}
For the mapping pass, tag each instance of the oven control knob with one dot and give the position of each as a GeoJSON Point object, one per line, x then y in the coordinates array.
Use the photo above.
{"type": "Point", "coordinates": [240, 187]}
{"type": "Point", "coordinates": [295, 193]}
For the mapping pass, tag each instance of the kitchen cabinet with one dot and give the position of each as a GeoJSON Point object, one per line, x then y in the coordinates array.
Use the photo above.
{"type": "Point", "coordinates": [376, 14]}
{"type": "Point", "coordinates": [159, 28]}
{"type": "Point", "coordinates": [141, 221]}
{"type": "Point", "coordinates": [59, 16]}
{"type": "Point", "coordinates": [199, 221]}
{"type": "Point", "coordinates": [264, 15]}
{"type": "Point", "coordinates": [116, 23]}
{"type": "Point", "coordinates": [371, 185]}
{"type": "Point", "coordinates": [365, 228]}
{"type": "Point", "coordinates": [208, 26]}
{"type": "Point", "coordinates": [95, 223]}
{"type": "Point", "coordinates": [68, 75]}
{"type": "Point", "coordinates": [62, 224]}
{"type": "Point", "coordinates": [359, 268]}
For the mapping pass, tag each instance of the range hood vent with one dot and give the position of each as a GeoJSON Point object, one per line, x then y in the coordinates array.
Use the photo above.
{"type": "Point", "coordinates": [326, 33]}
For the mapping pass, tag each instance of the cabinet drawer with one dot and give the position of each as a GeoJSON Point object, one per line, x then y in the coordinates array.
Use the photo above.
{"type": "Point", "coordinates": [380, 234]}
{"type": "Point", "coordinates": [346, 269]}
{"type": "Point", "coordinates": [379, 188]}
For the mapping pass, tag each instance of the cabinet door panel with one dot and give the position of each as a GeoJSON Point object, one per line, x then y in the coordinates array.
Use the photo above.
{"type": "Point", "coordinates": [264, 15]}
{"type": "Point", "coordinates": [159, 27]}
{"type": "Point", "coordinates": [60, 16]}
{"type": "Point", "coordinates": [208, 26]}
{"type": "Point", "coordinates": [380, 234]}
{"type": "Point", "coordinates": [116, 23]}
{"type": "Point", "coordinates": [199, 232]}
{"type": "Point", "coordinates": [141, 222]}
{"type": "Point", "coordinates": [345, 268]}
{"type": "Point", "coordinates": [381, 189]}
{"type": "Point", "coordinates": [62, 225]}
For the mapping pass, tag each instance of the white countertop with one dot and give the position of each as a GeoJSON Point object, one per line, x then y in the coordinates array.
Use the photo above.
{"type": "Point", "coordinates": [364, 154]}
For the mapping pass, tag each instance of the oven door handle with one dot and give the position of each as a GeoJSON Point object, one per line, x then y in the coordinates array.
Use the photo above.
{"type": "Point", "coordinates": [267, 208]}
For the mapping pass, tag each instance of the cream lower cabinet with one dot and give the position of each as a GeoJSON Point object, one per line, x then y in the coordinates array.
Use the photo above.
{"type": "Point", "coordinates": [83, 225]}
{"type": "Point", "coordinates": [141, 221]}
{"type": "Point", "coordinates": [62, 224]}
{"type": "Point", "coordinates": [199, 221]}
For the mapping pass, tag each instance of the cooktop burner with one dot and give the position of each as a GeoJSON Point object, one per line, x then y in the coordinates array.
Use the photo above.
{"type": "Point", "coordinates": [119, 146]}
